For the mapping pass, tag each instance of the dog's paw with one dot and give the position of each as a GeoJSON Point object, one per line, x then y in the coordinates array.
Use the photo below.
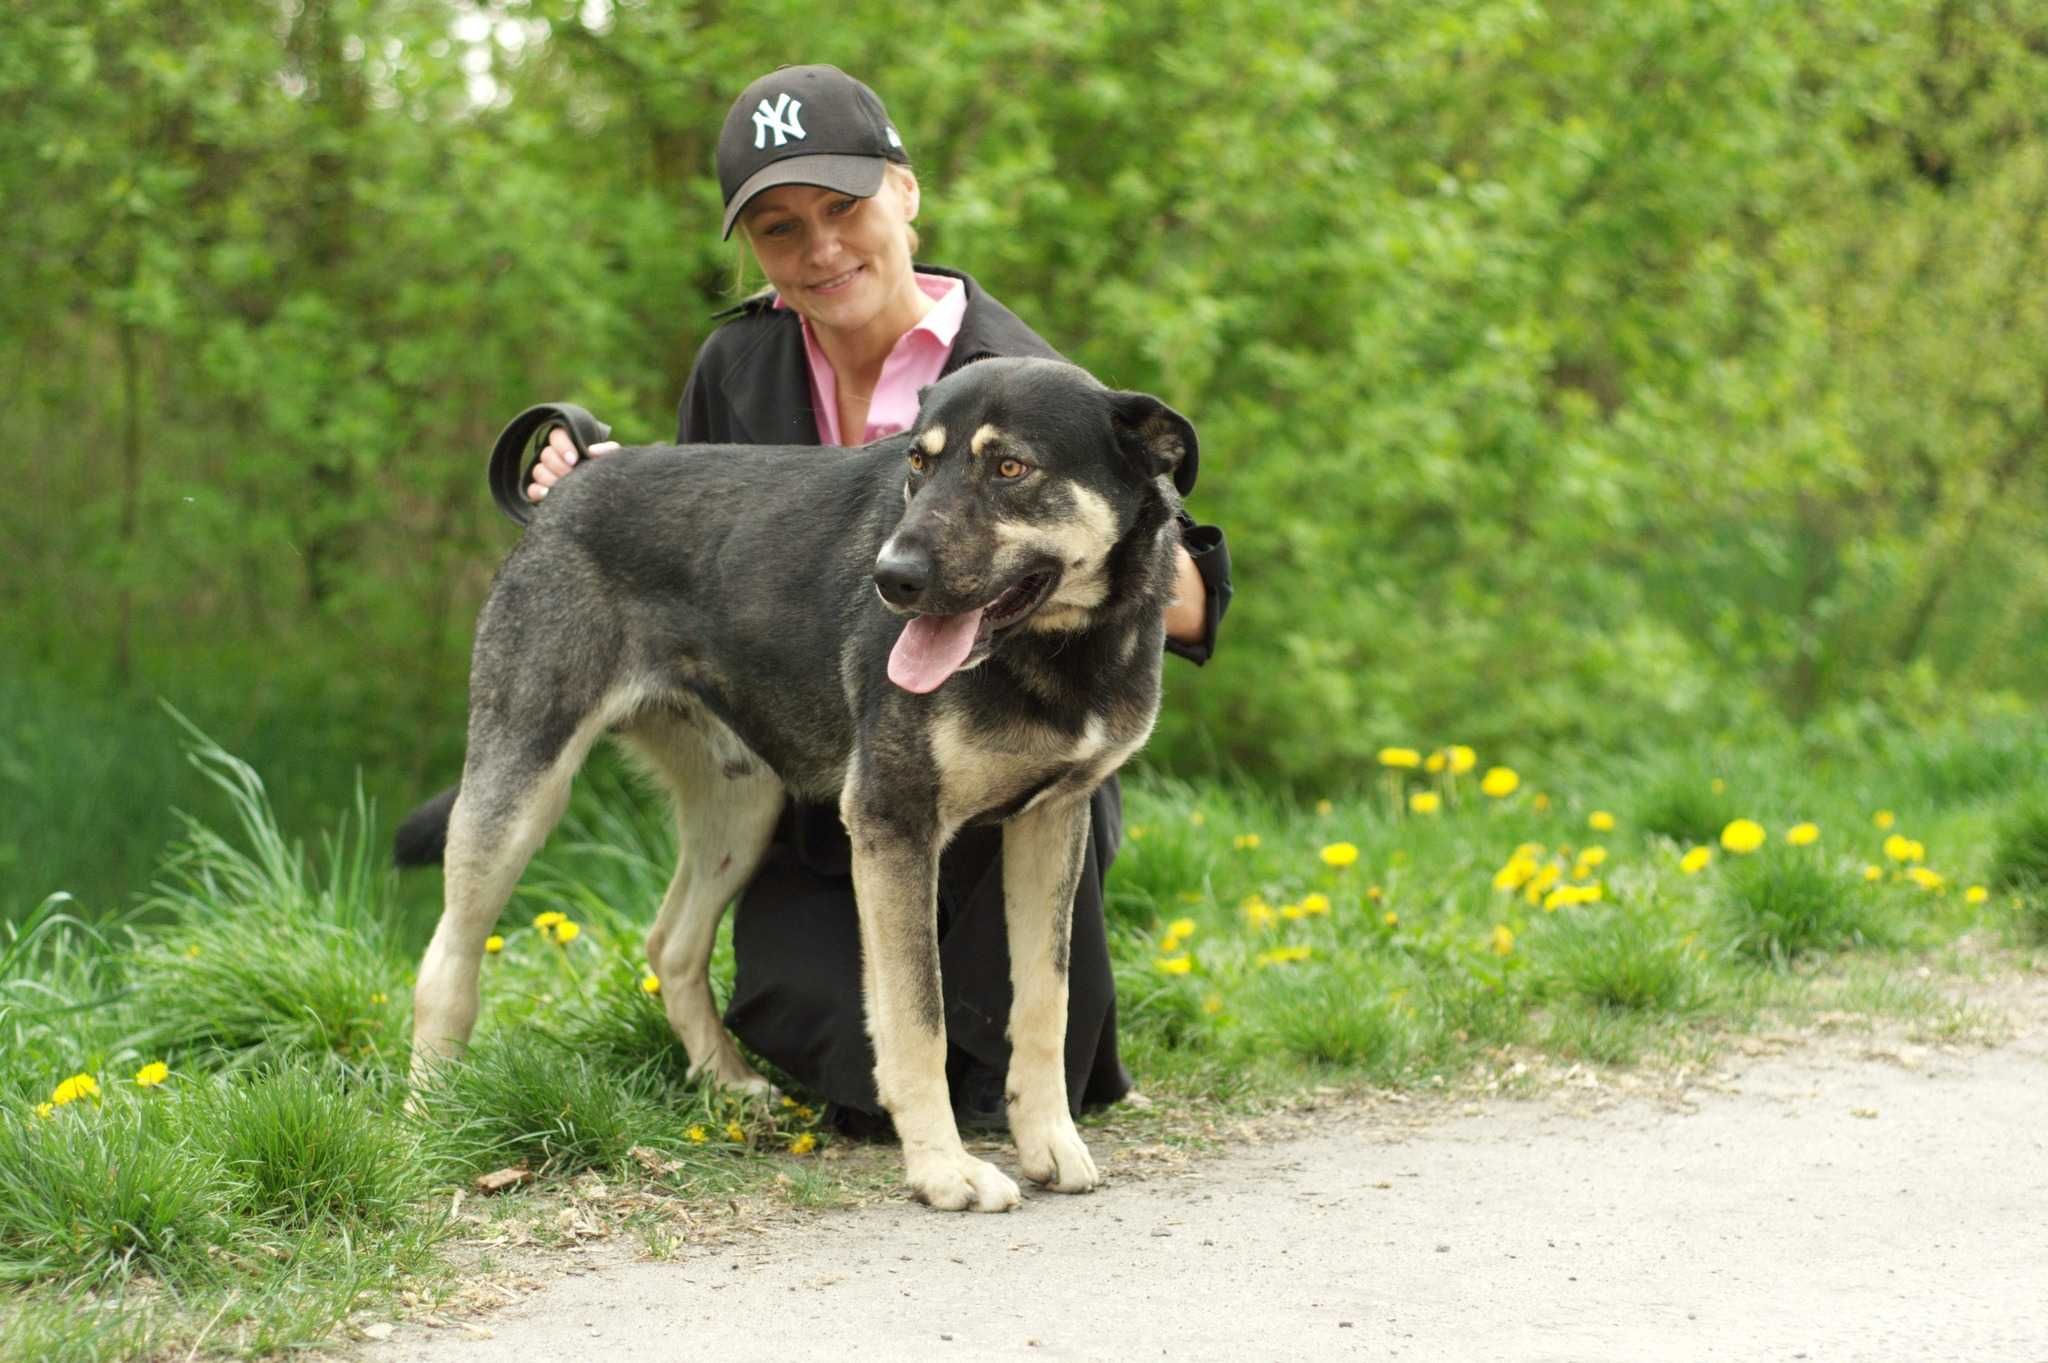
{"type": "Point", "coordinates": [1054, 1155]}
{"type": "Point", "coordinates": [962, 1183]}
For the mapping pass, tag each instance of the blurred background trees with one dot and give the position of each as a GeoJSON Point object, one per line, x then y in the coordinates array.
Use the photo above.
{"type": "Point", "coordinates": [1567, 373]}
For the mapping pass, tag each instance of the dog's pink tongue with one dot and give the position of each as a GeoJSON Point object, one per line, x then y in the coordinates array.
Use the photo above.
{"type": "Point", "coordinates": [931, 649]}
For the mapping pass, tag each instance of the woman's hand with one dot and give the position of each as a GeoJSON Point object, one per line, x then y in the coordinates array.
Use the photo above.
{"type": "Point", "coordinates": [1188, 613]}
{"type": "Point", "coordinates": [557, 457]}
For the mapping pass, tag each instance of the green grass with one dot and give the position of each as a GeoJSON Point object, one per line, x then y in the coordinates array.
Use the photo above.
{"type": "Point", "coordinates": [278, 1180]}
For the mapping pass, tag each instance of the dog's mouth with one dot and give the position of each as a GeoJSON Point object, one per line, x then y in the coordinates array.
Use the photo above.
{"type": "Point", "coordinates": [934, 647]}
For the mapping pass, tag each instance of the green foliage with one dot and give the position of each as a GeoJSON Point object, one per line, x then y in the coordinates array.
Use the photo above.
{"type": "Point", "coordinates": [2019, 857]}
{"type": "Point", "coordinates": [1783, 903]}
{"type": "Point", "coordinates": [1627, 959]}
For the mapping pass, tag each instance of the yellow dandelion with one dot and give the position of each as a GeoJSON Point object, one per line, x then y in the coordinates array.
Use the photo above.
{"type": "Point", "coordinates": [380, 997]}
{"type": "Point", "coordinates": [1873, 873]}
{"type": "Point", "coordinates": [1373, 893]}
{"type": "Point", "coordinates": [1340, 854]}
{"type": "Point", "coordinates": [1175, 965]}
{"type": "Point", "coordinates": [1915, 850]}
{"type": "Point", "coordinates": [1435, 762]}
{"type": "Point", "coordinates": [803, 1144]}
{"type": "Point", "coordinates": [1197, 817]}
{"type": "Point", "coordinates": [807, 1113]}
{"type": "Point", "coordinates": [152, 1074]}
{"type": "Point", "coordinates": [1258, 912]}
{"type": "Point", "coordinates": [1503, 940]}
{"type": "Point", "coordinates": [1391, 919]}
{"type": "Point", "coordinates": [1400, 757]}
{"type": "Point", "coordinates": [494, 944]}
{"type": "Point", "coordinates": [1213, 1004]}
{"type": "Point", "coordinates": [1283, 956]}
{"type": "Point", "coordinates": [1884, 819]}
{"type": "Point", "coordinates": [1462, 759]}
{"type": "Point", "coordinates": [1743, 836]}
{"type": "Point", "coordinates": [1600, 821]}
{"type": "Point", "coordinates": [1563, 896]}
{"type": "Point", "coordinates": [1316, 903]}
{"type": "Point", "coordinates": [1425, 802]}
{"type": "Point", "coordinates": [1246, 842]}
{"type": "Point", "coordinates": [1292, 911]}
{"type": "Point", "coordinates": [1803, 834]}
{"type": "Point", "coordinates": [1592, 856]}
{"type": "Point", "coordinates": [1515, 874]}
{"type": "Point", "coordinates": [1136, 832]}
{"type": "Point", "coordinates": [566, 932]}
{"type": "Point", "coordinates": [544, 921]}
{"type": "Point", "coordinates": [76, 1087]}
{"type": "Point", "coordinates": [1592, 894]}
{"type": "Point", "coordinates": [1181, 927]}
{"type": "Point", "coordinates": [192, 952]}
{"type": "Point", "coordinates": [1531, 850]}
{"type": "Point", "coordinates": [736, 1133]}
{"type": "Point", "coordinates": [1976, 894]}
{"type": "Point", "coordinates": [45, 1109]}
{"type": "Point", "coordinates": [1924, 878]}
{"type": "Point", "coordinates": [1695, 861]}
{"type": "Point", "coordinates": [696, 1135]}
{"type": "Point", "coordinates": [1541, 803]}
{"type": "Point", "coordinates": [1325, 808]}
{"type": "Point", "coordinates": [1540, 883]}
{"type": "Point", "coordinates": [788, 1103]}
{"type": "Point", "coordinates": [1718, 786]}
{"type": "Point", "coordinates": [650, 984]}
{"type": "Point", "coordinates": [1499, 782]}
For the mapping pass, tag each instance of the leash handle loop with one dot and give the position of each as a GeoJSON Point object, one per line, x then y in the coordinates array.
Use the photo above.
{"type": "Point", "coordinates": [511, 470]}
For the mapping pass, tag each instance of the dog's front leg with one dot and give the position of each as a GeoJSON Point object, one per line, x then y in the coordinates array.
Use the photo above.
{"type": "Point", "coordinates": [895, 880]}
{"type": "Point", "coordinates": [1042, 858]}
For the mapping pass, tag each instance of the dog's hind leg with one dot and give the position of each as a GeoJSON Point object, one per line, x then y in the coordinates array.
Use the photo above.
{"type": "Point", "coordinates": [895, 881]}
{"type": "Point", "coordinates": [1043, 850]}
{"type": "Point", "coordinates": [726, 804]}
{"type": "Point", "coordinates": [511, 798]}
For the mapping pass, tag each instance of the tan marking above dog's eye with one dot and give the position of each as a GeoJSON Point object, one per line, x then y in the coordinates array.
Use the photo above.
{"type": "Point", "coordinates": [934, 440]}
{"type": "Point", "coordinates": [1012, 468]}
{"type": "Point", "coordinates": [979, 441]}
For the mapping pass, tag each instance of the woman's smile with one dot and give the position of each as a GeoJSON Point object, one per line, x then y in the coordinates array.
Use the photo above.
{"type": "Point", "coordinates": [836, 283]}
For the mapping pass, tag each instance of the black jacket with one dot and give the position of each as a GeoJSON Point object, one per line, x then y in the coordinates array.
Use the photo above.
{"type": "Point", "coordinates": [751, 385]}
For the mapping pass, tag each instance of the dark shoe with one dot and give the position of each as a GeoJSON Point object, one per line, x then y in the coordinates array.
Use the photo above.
{"type": "Point", "coordinates": [978, 1099]}
{"type": "Point", "coordinates": [857, 1125]}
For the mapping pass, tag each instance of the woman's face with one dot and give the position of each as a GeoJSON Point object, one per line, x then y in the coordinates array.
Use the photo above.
{"type": "Point", "coordinates": [838, 260]}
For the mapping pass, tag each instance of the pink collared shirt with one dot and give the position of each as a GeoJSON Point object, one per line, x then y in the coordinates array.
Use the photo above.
{"type": "Point", "coordinates": [915, 361]}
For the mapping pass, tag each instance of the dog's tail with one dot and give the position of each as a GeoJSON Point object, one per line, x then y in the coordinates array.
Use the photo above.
{"type": "Point", "coordinates": [423, 835]}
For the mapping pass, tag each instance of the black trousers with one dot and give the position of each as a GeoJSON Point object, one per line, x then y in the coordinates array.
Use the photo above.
{"type": "Point", "coordinates": [796, 997]}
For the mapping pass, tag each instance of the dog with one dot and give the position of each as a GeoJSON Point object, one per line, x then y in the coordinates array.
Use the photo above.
{"type": "Point", "coordinates": [958, 625]}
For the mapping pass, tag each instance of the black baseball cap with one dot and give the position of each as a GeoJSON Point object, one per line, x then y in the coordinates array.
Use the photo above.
{"type": "Point", "coordinates": [804, 125]}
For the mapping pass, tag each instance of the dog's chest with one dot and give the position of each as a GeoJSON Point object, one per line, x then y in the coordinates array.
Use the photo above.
{"type": "Point", "coordinates": [983, 769]}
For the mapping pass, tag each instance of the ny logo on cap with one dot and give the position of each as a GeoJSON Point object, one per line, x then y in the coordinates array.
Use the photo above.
{"type": "Point", "coordinates": [780, 120]}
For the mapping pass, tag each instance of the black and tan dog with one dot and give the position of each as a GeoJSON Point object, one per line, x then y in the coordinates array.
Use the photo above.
{"type": "Point", "coordinates": [958, 625]}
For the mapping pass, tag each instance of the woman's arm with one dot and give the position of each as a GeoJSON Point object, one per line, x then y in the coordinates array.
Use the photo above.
{"type": "Point", "coordinates": [1202, 591]}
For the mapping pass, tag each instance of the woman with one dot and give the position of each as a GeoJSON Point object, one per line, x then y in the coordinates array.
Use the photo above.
{"type": "Point", "coordinates": [834, 353]}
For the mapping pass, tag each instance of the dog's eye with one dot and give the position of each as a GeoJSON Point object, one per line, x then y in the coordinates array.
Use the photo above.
{"type": "Point", "coordinates": [1012, 468]}
{"type": "Point", "coordinates": [917, 462]}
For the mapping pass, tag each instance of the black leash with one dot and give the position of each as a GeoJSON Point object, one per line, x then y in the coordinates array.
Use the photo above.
{"type": "Point", "coordinates": [511, 470]}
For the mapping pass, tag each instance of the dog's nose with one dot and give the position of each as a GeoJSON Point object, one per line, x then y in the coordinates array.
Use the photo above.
{"type": "Point", "coordinates": [903, 571]}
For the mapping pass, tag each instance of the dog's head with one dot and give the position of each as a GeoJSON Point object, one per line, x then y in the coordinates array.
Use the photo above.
{"type": "Point", "coordinates": [1031, 494]}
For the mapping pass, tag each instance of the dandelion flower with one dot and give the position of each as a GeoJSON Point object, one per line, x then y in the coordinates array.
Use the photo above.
{"type": "Point", "coordinates": [1884, 819]}
{"type": "Point", "coordinates": [1541, 803]}
{"type": "Point", "coordinates": [650, 984]}
{"type": "Point", "coordinates": [1340, 854]}
{"type": "Point", "coordinates": [1175, 965]}
{"type": "Point", "coordinates": [1718, 786]}
{"type": "Point", "coordinates": [1246, 842]}
{"type": "Point", "coordinates": [1924, 878]}
{"type": "Point", "coordinates": [1425, 802]}
{"type": "Point", "coordinates": [1695, 861]}
{"type": "Point", "coordinates": [1503, 940]}
{"type": "Point", "coordinates": [544, 921]}
{"type": "Point", "coordinates": [1316, 903]}
{"type": "Point", "coordinates": [45, 1109]}
{"type": "Point", "coordinates": [1540, 883]}
{"type": "Point", "coordinates": [1181, 927]}
{"type": "Point", "coordinates": [1400, 757]}
{"type": "Point", "coordinates": [1564, 896]}
{"type": "Point", "coordinates": [192, 952]}
{"type": "Point", "coordinates": [1600, 821]}
{"type": "Point", "coordinates": [1137, 831]}
{"type": "Point", "coordinates": [1391, 919]}
{"type": "Point", "coordinates": [76, 1087]}
{"type": "Point", "coordinates": [1258, 912]}
{"type": "Point", "coordinates": [1462, 759]}
{"type": "Point", "coordinates": [1283, 956]}
{"type": "Point", "coordinates": [803, 1144]}
{"type": "Point", "coordinates": [1292, 911]}
{"type": "Point", "coordinates": [494, 944]}
{"type": "Point", "coordinates": [807, 1113]}
{"type": "Point", "coordinates": [735, 1133]}
{"type": "Point", "coordinates": [152, 1074]}
{"type": "Point", "coordinates": [567, 931]}
{"type": "Point", "coordinates": [1976, 894]}
{"type": "Point", "coordinates": [696, 1135]}
{"type": "Point", "coordinates": [1499, 782]}
{"type": "Point", "coordinates": [1515, 874]}
{"type": "Point", "coordinates": [1873, 873]}
{"type": "Point", "coordinates": [1742, 836]}
{"type": "Point", "coordinates": [1901, 848]}
{"type": "Point", "coordinates": [1213, 1004]}
{"type": "Point", "coordinates": [380, 997]}
{"type": "Point", "coordinates": [1325, 808]}
{"type": "Point", "coordinates": [1197, 817]}
{"type": "Point", "coordinates": [1435, 762]}
{"type": "Point", "coordinates": [1592, 856]}
{"type": "Point", "coordinates": [1802, 834]}
{"type": "Point", "coordinates": [1373, 892]}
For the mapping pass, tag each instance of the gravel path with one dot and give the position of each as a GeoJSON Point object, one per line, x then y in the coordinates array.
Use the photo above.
{"type": "Point", "coordinates": [1849, 1199]}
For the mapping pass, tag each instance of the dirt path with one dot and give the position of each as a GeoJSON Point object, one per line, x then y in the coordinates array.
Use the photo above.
{"type": "Point", "coordinates": [1849, 1199]}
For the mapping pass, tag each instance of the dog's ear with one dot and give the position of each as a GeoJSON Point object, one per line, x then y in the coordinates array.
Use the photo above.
{"type": "Point", "coordinates": [1161, 438]}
